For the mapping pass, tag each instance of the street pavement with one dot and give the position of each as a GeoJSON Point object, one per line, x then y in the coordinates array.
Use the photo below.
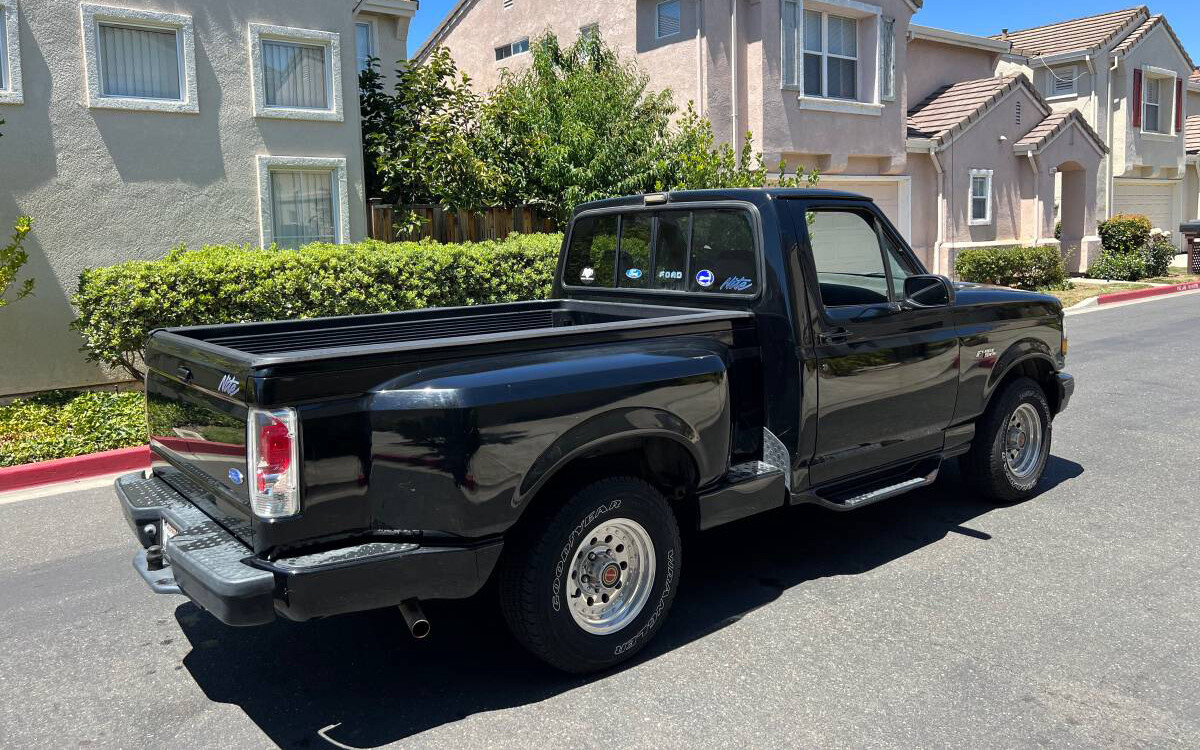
{"type": "Point", "coordinates": [933, 620]}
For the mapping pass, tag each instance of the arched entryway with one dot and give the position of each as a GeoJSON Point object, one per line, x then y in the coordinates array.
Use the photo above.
{"type": "Point", "coordinates": [1071, 185]}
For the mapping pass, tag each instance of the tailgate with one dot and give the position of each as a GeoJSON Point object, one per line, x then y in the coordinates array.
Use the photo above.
{"type": "Point", "coordinates": [199, 428]}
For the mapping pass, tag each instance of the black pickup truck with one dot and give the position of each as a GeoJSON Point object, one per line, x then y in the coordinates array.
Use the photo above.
{"type": "Point", "coordinates": [705, 356]}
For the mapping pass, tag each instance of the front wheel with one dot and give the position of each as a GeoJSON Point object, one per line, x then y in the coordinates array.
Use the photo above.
{"type": "Point", "coordinates": [1012, 444]}
{"type": "Point", "coordinates": [588, 585]}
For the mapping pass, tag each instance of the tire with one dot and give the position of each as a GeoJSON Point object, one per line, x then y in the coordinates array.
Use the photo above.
{"type": "Point", "coordinates": [989, 467]}
{"type": "Point", "coordinates": [542, 568]}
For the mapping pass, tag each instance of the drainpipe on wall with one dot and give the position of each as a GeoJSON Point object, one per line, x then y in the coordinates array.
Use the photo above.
{"type": "Point", "coordinates": [733, 77]}
{"type": "Point", "coordinates": [700, 57]}
{"type": "Point", "coordinates": [941, 206]}
{"type": "Point", "coordinates": [1108, 114]}
{"type": "Point", "coordinates": [1037, 197]}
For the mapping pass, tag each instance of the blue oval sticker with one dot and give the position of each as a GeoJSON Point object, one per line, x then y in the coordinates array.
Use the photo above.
{"type": "Point", "coordinates": [634, 273]}
{"type": "Point", "coordinates": [705, 278]}
{"type": "Point", "coordinates": [235, 476]}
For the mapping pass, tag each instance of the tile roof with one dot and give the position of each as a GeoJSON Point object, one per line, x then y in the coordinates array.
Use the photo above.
{"type": "Point", "coordinates": [1054, 124]}
{"type": "Point", "coordinates": [1195, 76]}
{"type": "Point", "coordinates": [1145, 28]}
{"type": "Point", "coordinates": [1076, 35]}
{"type": "Point", "coordinates": [950, 108]}
{"type": "Point", "coordinates": [1191, 130]}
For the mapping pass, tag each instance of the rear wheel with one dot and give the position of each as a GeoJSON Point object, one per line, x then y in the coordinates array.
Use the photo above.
{"type": "Point", "coordinates": [590, 584]}
{"type": "Point", "coordinates": [1012, 444]}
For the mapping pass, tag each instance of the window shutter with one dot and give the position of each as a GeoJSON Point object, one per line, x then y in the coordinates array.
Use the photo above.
{"type": "Point", "coordinates": [1178, 105]}
{"type": "Point", "coordinates": [1137, 97]}
{"type": "Point", "coordinates": [887, 59]}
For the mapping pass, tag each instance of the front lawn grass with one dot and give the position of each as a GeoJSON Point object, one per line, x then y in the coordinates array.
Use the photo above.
{"type": "Point", "coordinates": [1174, 276]}
{"type": "Point", "coordinates": [58, 424]}
{"type": "Point", "coordinates": [1079, 292]}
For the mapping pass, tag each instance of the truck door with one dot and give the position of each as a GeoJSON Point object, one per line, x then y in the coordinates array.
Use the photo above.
{"type": "Point", "coordinates": [887, 377]}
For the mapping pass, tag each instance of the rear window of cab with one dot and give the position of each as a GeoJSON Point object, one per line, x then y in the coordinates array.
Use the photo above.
{"type": "Point", "coordinates": [702, 251]}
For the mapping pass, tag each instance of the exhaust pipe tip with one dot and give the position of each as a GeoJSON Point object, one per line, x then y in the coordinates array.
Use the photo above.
{"type": "Point", "coordinates": [414, 617]}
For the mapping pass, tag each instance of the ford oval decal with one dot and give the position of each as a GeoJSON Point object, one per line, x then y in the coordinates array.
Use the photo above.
{"type": "Point", "coordinates": [235, 476]}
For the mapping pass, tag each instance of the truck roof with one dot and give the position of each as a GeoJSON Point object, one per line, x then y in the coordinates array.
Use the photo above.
{"type": "Point", "coordinates": [750, 195]}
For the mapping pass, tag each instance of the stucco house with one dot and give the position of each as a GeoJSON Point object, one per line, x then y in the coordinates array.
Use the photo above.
{"type": "Point", "coordinates": [1134, 61]}
{"type": "Point", "coordinates": [136, 125]}
{"type": "Point", "coordinates": [819, 83]}
{"type": "Point", "coordinates": [1191, 200]}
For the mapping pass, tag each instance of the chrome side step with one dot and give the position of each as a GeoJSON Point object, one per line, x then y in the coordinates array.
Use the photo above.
{"type": "Point", "coordinates": [862, 499]}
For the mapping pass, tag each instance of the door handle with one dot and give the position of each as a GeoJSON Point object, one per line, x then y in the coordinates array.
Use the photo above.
{"type": "Point", "coordinates": [834, 336]}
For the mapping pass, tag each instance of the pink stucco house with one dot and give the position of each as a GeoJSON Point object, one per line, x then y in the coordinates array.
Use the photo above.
{"type": "Point", "coordinates": [963, 140]}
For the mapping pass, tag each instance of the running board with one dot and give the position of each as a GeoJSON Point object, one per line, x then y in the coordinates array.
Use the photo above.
{"type": "Point", "coordinates": [861, 499]}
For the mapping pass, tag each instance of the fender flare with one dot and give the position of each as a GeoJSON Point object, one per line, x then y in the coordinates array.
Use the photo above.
{"type": "Point", "coordinates": [1020, 352]}
{"type": "Point", "coordinates": [608, 427]}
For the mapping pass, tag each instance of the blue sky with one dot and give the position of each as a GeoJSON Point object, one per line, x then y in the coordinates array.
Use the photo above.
{"type": "Point", "coordinates": [969, 16]}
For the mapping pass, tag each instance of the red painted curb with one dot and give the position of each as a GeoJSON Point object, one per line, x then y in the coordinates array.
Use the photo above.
{"type": "Point", "coordinates": [75, 467]}
{"type": "Point", "coordinates": [1105, 299]}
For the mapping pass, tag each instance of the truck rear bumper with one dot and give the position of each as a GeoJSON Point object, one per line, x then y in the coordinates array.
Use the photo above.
{"type": "Point", "coordinates": [221, 574]}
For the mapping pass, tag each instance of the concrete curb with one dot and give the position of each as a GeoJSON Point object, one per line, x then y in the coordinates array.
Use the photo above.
{"type": "Point", "coordinates": [75, 467]}
{"type": "Point", "coordinates": [1105, 299]}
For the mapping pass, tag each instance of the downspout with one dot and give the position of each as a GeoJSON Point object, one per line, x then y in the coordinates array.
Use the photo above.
{"type": "Point", "coordinates": [1108, 118]}
{"type": "Point", "coordinates": [941, 206]}
{"type": "Point", "coordinates": [733, 77]}
{"type": "Point", "coordinates": [1037, 197]}
{"type": "Point", "coordinates": [1091, 66]}
{"type": "Point", "coordinates": [700, 57]}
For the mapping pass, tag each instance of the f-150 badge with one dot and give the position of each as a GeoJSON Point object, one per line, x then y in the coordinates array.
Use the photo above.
{"type": "Point", "coordinates": [985, 354]}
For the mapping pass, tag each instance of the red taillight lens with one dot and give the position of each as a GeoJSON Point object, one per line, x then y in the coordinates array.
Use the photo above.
{"type": "Point", "coordinates": [272, 459]}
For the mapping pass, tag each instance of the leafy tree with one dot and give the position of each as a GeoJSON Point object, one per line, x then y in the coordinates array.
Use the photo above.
{"type": "Point", "coordinates": [576, 125]}
{"type": "Point", "coordinates": [12, 257]}
{"type": "Point", "coordinates": [420, 141]}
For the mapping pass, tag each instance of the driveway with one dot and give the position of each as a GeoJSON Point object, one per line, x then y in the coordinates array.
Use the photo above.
{"type": "Point", "coordinates": [932, 620]}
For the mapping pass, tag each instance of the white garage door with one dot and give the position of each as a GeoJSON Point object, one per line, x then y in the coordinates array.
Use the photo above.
{"type": "Point", "coordinates": [885, 194]}
{"type": "Point", "coordinates": [1156, 201]}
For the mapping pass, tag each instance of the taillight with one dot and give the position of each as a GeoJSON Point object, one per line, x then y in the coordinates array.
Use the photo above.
{"type": "Point", "coordinates": [272, 448]}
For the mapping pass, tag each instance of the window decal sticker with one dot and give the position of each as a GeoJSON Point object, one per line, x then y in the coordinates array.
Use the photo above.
{"type": "Point", "coordinates": [705, 278]}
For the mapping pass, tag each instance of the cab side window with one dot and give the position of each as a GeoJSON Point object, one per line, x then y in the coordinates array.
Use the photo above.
{"type": "Point", "coordinates": [848, 258]}
{"type": "Point", "coordinates": [724, 259]}
{"type": "Point", "coordinates": [592, 252]}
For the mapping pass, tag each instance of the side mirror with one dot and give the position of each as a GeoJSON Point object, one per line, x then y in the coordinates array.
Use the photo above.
{"type": "Point", "coordinates": [928, 291]}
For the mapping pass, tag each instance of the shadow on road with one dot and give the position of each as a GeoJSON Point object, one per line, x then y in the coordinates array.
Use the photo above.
{"type": "Point", "coordinates": [362, 681]}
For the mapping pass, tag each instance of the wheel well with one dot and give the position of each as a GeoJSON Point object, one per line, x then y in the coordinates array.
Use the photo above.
{"type": "Point", "coordinates": [1039, 371]}
{"type": "Point", "coordinates": [663, 463]}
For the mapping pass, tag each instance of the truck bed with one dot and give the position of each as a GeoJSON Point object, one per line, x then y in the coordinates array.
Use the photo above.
{"type": "Point", "coordinates": [421, 333]}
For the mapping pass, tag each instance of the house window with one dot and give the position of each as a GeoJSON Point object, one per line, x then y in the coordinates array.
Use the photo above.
{"type": "Point", "coordinates": [516, 48]}
{"type": "Point", "coordinates": [830, 56]}
{"type": "Point", "coordinates": [981, 196]}
{"type": "Point", "coordinates": [137, 59]}
{"type": "Point", "coordinates": [297, 73]}
{"type": "Point", "coordinates": [10, 56]}
{"type": "Point", "coordinates": [302, 200]}
{"type": "Point", "coordinates": [364, 44]}
{"type": "Point", "coordinates": [1061, 81]}
{"type": "Point", "coordinates": [887, 59]}
{"type": "Point", "coordinates": [670, 21]}
{"type": "Point", "coordinates": [1152, 99]}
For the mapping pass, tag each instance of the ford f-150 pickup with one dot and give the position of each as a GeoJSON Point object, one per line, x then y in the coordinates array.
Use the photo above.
{"type": "Point", "coordinates": [704, 356]}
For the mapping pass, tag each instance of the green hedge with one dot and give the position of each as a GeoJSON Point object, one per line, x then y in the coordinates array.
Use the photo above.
{"type": "Point", "coordinates": [119, 305]}
{"type": "Point", "coordinates": [58, 424]}
{"type": "Point", "coordinates": [1132, 250]}
{"type": "Point", "coordinates": [1021, 267]}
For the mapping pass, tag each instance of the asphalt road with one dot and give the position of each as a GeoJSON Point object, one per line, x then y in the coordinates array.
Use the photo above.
{"type": "Point", "coordinates": [933, 620]}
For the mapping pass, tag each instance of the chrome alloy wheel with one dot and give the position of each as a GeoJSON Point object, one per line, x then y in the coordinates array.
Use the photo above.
{"type": "Point", "coordinates": [1023, 441]}
{"type": "Point", "coordinates": [612, 574]}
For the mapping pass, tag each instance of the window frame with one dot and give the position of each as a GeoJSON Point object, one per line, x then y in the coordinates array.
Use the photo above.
{"type": "Point", "coordinates": [756, 228]}
{"type": "Point", "coordinates": [1166, 79]}
{"type": "Point", "coordinates": [11, 86]}
{"type": "Point", "coordinates": [92, 17]}
{"type": "Point", "coordinates": [825, 55]}
{"type": "Point", "coordinates": [658, 32]}
{"type": "Point", "coordinates": [971, 197]}
{"type": "Point", "coordinates": [372, 41]}
{"type": "Point", "coordinates": [509, 47]}
{"type": "Point", "coordinates": [887, 64]}
{"type": "Point", "coordinates": [1053, 75]}
{"type": "Point", "coordinates": [883, 231]}
{"type": "Point", "coordinates": [337, 168]}
{"type": "Point", "coordinates": [331, 40]}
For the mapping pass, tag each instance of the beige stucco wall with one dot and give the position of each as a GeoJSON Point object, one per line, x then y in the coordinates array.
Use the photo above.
{"type": "Point", "coordinates": [932, 65]}
{"type": "Point", "coordinates": [108, 185]}
{"type": "Point", "coordinates": [1142, 155]}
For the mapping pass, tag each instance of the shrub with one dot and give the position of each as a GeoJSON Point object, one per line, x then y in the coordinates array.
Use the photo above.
{"type": "Point", "coordinates": [12, 257]}
{"type": "Point", "coordinates": [1159, 253]}
{"type": "Point", "coordinates": [58, 424]}
{"type": "Point", "coordinates": [1021, 267]}
{"type": "Point", "coordinates": [120, 305]}
{"type": "Point", "coordinates": [1124, 233]}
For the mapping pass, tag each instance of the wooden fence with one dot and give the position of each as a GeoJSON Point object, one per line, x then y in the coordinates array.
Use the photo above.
{"type": "Point", "coordinates": [457, 226]}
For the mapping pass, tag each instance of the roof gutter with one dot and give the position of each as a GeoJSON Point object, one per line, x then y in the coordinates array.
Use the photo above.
{"type": "Point", "coordinates": [945, 36]}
